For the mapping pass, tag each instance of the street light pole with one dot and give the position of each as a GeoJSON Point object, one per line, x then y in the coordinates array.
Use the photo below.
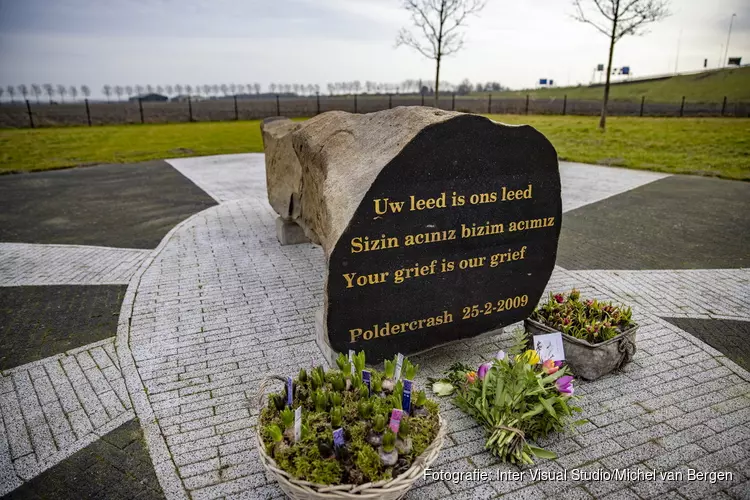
{"type": "Point", "coordinates": [726, 50]}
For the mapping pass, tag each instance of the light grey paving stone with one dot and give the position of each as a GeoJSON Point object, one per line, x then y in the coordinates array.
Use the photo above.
{"type": "Point", "coordinates": [25, 264]}
{"type": "Point", "coordinates": [220, 304]}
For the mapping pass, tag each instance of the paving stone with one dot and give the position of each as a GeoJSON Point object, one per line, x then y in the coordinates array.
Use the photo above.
{"type": "Point", "coordinates": [100, 470]}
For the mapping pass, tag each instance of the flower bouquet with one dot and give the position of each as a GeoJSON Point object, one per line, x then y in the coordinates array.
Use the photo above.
{"type": "Point", "coordinates": [598, 336]}
{"type": "Point", "coordinates": [516, 398]}
{"type": "Point", "coordinates": [349, 432]}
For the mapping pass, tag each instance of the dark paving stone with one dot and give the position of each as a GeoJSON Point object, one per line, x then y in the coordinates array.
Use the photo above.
{"type": "Point", "coordinates": [115, 467]}
{"type": "Point", "coordinates": [731, 338]}
{"type": "Point", "coordinates": [40, 321]}
{"type": "Point", "coordinates": [679, 222]}
{"type": "Point", "coordinates": [126, 206]}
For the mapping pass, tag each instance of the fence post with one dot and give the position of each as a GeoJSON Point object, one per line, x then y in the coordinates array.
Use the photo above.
{"type": "Point", "coordinates": [278, 106]}
{"type": "Point", "coordinates": [565, 104]}
{"type": "Point", "coordinates": [236, 113]}
{"type": "Point", "coordinates": [682, 106]}
{"type": "Point", "coordinates": [190, 109]}
{"type": "Point", "coordinates": [724, 106]}
{"type": "Point", "coordinates": [489, 105]}
{"type": "Point", "coordinates": [140, 108]}
{"type": "Point", "coordinates": [355, 103]}
{"type": "Point", "coordinates": [643, 100]}
{"type": "Point", "coordinates": [527, 104]}
{"type": "Point", "coordinates": [31, 116]}
{"type": "Point", "coordinates": [390, 101]}
{"type": "Point", "coordinates": [88, 112]}
{"type": "Point", "coordinates": [453, 102]}
{"type": "Point", "coordinates": [317, 97]}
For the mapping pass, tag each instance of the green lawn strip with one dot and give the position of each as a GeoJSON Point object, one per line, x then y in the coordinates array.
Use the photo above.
{"type": "Point", "coordinates": [710, 87]}
{"type": "Point", "coordinates": [702, 146]}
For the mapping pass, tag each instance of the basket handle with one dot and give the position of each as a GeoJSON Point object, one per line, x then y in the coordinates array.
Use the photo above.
{"type": "Point", "coordinates": [263, 386]}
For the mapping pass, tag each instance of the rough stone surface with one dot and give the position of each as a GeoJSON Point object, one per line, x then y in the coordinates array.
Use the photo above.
{"type": "Point", "coordinates": [340, 154]}
{"type": "Point", "coordinates": [289, 232]}
{"type": "Point", "coordinates": [283, 169]}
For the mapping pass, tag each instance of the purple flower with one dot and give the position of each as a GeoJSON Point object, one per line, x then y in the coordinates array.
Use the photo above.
{"type": "Point", "coordinates": [565, 385]}
{"type": "Point", "coordinates": [483, 369]}
{"type": "Point", "coordinates": [500, 355]}
{"type": "Point", "coordinates": [558, 363]}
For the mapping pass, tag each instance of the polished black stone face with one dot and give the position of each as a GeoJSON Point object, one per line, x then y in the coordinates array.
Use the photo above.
{"type": "Point", "coordinates": [470, 249]}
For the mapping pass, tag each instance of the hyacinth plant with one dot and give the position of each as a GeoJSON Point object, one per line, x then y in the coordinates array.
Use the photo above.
{"type": "Point", "coordinates": [340, 400]}
{"type": "Point", "coordinates": [589, 320]}
{"type": "Point", "coordinates": [516, 397]}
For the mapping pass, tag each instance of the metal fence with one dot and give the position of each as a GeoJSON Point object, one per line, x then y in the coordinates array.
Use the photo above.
{"type": "Point", "coordinates": [28, 114]}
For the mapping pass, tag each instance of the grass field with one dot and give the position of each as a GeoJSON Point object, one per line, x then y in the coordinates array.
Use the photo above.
{"type": "Point", "coordinates": [703, 87]}
{"type": "Point", "coordinates": [702, 146]}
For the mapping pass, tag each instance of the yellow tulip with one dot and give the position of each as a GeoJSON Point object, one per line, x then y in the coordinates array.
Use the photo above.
{"type": "Point", "coordinates": [532, 357]}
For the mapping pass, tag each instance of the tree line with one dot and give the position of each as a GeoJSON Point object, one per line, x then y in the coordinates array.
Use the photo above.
{"type": "Point", "coordinates": [409, 86]}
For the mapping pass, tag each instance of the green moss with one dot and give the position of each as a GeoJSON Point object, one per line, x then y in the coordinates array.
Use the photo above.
{"type": "Point", "coordinates": [358, 462]}
{"type": "Point", "coordinates": [368, 461]}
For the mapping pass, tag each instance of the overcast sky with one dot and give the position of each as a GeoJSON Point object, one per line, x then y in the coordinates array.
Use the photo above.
{"type": "Point", "coordinates": [94, 42]}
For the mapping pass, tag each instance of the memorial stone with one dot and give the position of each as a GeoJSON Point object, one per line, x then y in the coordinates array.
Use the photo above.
{"type": "Point", "coordinates": [436, 225]}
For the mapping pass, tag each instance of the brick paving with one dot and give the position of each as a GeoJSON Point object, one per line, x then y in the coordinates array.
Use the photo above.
{"type": "Point", "coordinates": [25, 264]}
{"type": "Point", "coordinates": [52, 408]}
{"type": "Point", "coordinates": [219, 304]}
{"type": "Point", "coordinates": [222, 304]}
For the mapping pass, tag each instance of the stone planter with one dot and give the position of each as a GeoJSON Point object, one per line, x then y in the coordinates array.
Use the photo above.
{"type": "Point", "coordinates": [591, 361]}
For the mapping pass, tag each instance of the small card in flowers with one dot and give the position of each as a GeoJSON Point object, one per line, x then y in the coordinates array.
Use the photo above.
{"type": "Point", "coordinates": [549, 346]}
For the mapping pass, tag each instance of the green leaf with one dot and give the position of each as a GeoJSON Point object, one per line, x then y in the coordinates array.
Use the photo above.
{"type": "Point", "coordinates": [582, 421]}
{"type": "Point", "coordinates": [547, 406]}
{"type": "Point", "coordinates": [442, 388]}
{"type": "Point", "coordinates": [542, 453]}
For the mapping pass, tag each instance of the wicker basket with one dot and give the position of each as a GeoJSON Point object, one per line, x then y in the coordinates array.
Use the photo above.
{"type": "Point", "coordinates": [381, 490]}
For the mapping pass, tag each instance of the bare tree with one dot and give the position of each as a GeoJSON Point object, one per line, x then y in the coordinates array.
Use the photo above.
{"type": "Point", "coordinates": [119, 91]}
{"type": "Point", "coordinates": [256, 86]}
{"type": "Point", "coordinates": [36, 89]}
{"type": "Point", "coordinates": [73, 90]}
{"type": "Point", "coordinates": [49, 90]}
{"type": "Point", "coordinates": [62, 90]}
{"type": "Point", "coordinates": [439, 24]}
{"type": "Point", "coordinates": [189, 89]}
{"type": "Point", "coordinates": [233, 89]}
{"type": "Point", "coordinates": [86, 91]}
{"type": "Point", "coordinates": [215, 89]}
{"type": "Point", "coordinates": [159, 89]}
{"type": "Point", "coordinates": [23, 90]}
{"type": "Point", "coordinates": [11, 92]}
{"type": "Point", "coordinates": [616, 19]}
{"type": "Point", "coordinates": [129, 90]}
{"type": "Point", "coordinates": [139, 90]}
{"type": "Point", "coordinates": [240, 88]}
{"type": "Point", "coordinates": [107, 91]}
{"type": "Point", "coordinates": [169, 89]}
{"type": "Point", "coordinates": [224, 89]}
{"type": "Point", "coordinates": [272, 88]}
{"type": "Point", "coordinates": [149, 89]}
{"type": "Point", "coordinates": [178, 89]}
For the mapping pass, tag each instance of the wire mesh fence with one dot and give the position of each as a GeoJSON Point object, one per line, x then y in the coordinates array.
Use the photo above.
{"type": "Point", "coordinates": [88, 113]}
